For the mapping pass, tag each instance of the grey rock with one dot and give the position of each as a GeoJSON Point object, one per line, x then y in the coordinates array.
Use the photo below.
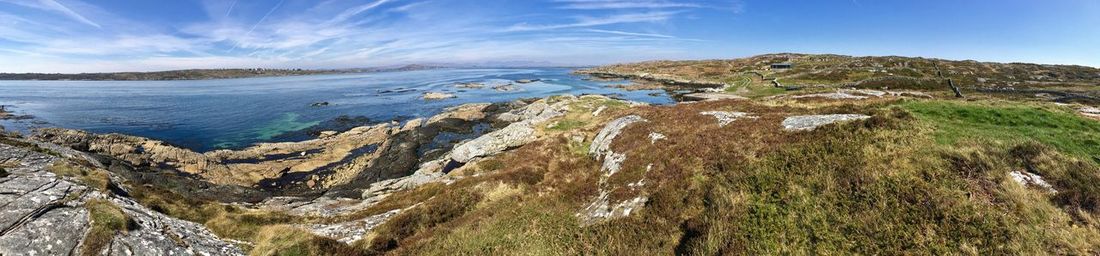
{"type": "Point", "coordinates": [43, 214]}
{"type": "Point", "coordinates": [805, 123]}
{"type": "Point", "coordinates": [727, 117]}
{"type": "Point", "coordinates": [654, 137]}
{"type": "Point", "coordinates": [1025, 178]}
{"type": "Point", "coordinates": [602, 208]}
{"type": "Point", "coordinates": [511, 136]}
{"type": "Point", "coordinates": [709, 96]}
{"type": "Point", "coordinates": [601, 145]}
{"type": "Point", "coordinates": [158, 234]}
{"type": "Point", "coordinates": [831, 95]}
{"type": "Point", "coordinates": [519, 133]}
{"type": "Point", "coordinates": [1090, 112]}
{"type": "Point", "coordinates": [351, 231]}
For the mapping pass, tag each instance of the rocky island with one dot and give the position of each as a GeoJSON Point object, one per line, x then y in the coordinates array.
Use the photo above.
{"type": "Point", "coordinates": [842, 154]}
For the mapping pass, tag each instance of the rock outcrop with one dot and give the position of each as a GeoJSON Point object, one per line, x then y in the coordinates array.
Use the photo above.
{"type": "Point", "coordinates": [832, 96]}
{"type": "Point", "coordinates": [42, 213]}
{"type": "Point", "coordinates": [810, 122]}
{"type": "Point", "coordinates": [727, 117]}
{"type": "Point", "coordinates": [1025, 178]}
{"type": "Point", "coordinates": [602, 208]}
{"type": "Point", "coordinates": [520, 132]}
{"type": "Point", "coordinates": [709, 96]}
{"type": "Point", "coordinates": [1090, 112]}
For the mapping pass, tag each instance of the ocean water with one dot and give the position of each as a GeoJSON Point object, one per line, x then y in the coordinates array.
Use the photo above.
{"type": "Point", "coordinates": [235, 113]}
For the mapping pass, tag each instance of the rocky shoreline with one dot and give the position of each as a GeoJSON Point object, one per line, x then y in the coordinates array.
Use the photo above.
{"type": "Point", "coordinates": [656, 78]}
{"type": "Point", "coordinates": [336, 185]}
{"type": "Point", "coordinates": [333, 175]}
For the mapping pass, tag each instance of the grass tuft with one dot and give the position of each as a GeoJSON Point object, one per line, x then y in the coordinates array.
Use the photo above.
{"type": "Point", "coordinates": [107, 220]}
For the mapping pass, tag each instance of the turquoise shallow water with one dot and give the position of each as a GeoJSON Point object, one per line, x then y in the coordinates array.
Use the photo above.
{"type": "Point", "coordinates": [233, 113]}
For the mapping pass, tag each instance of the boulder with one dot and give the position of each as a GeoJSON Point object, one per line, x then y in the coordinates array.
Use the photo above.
{"type": "Point", "coordinates": [810, 122]}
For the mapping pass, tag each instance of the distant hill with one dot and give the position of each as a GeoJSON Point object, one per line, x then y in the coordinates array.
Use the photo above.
{"type": "Point", "coordinates": [202, 74]}
{"type": "Point", "coordinates": [886, 71]}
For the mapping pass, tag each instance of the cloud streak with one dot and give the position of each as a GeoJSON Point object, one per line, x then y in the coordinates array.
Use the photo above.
{"type": "Point", "coordinates": [619, 4]}
{"type": "Point", "coordinates": [338, 34]}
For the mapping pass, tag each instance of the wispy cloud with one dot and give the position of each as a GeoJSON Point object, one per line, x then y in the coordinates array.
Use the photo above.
{"type": "Point", "coordinates": [258, 22]}
{"type": "Point", "coordinates": [599, 21]}
{"type": "Point", "coordinates": [624, 33]}
{"type": "Point", "coordinates": [304, 34]}
{"type": "Point", "coordinates": [348, 14]}
{"type": "Point", "coordinates": [623, 4]}
{"type": "Point", "coordinates": [54, 6]}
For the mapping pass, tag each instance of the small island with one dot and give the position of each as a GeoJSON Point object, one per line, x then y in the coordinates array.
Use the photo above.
{"type": "Point", "coordinates": [202, 74]}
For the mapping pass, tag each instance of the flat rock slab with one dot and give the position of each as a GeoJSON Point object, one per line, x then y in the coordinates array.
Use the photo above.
{"type": "Point", "coordinates": [832, 96]}
{"type": "Point", "coordinates": [806, 123]}
{"type": "Point", "coordinates": [1090, 112]}
{"type": "Point", "coordinates": [709, 96]}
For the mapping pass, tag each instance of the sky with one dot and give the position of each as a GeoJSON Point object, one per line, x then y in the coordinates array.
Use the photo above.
{"type": "Point", "coordinates": [71, 36]}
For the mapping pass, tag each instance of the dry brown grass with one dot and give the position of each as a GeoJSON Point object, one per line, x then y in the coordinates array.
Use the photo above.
{"type": "Point", "coordinates": [882, 185]}
{"type": "Point", "coordinates": [286, 240]}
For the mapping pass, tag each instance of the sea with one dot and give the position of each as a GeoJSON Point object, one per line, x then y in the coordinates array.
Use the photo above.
{"type": "Point", "coordinates": [205, 115]}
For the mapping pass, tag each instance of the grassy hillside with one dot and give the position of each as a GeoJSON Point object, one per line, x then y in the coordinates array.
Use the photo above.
{"type": "Point", "coordinates": [870, 72]}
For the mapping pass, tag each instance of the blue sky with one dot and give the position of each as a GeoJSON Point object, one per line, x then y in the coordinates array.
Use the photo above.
{"type": "Point", "coordinates": [142, 35]}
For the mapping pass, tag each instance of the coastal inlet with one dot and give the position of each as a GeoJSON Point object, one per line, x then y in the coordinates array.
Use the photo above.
{"type": "Point", "coordinates": [204, 115]}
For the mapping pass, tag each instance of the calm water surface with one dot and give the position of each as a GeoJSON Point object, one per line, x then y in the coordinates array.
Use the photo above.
{"type": "Point", "coordinates": [234, 113]}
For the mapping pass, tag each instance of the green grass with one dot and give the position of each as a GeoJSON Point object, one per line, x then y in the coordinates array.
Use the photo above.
{"type": "Point", "coordinates": [1010, 123]}
{"type": "Point", "coordinates": [94, 178]}
{"type": "Point", "coordinates": [107, 220]}
{"type": "Point", "coordinates": [567, 124]}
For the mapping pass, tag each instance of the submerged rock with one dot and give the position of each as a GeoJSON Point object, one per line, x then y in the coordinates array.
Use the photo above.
{"type": "Point", "coordinates": [470, 85]}
{"type": "Point", "coordinates": [437, 96]}
{"type": "Point", "coordinates": [505, 88]}
{"type": "Point", "coordinates": [805, 123]}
